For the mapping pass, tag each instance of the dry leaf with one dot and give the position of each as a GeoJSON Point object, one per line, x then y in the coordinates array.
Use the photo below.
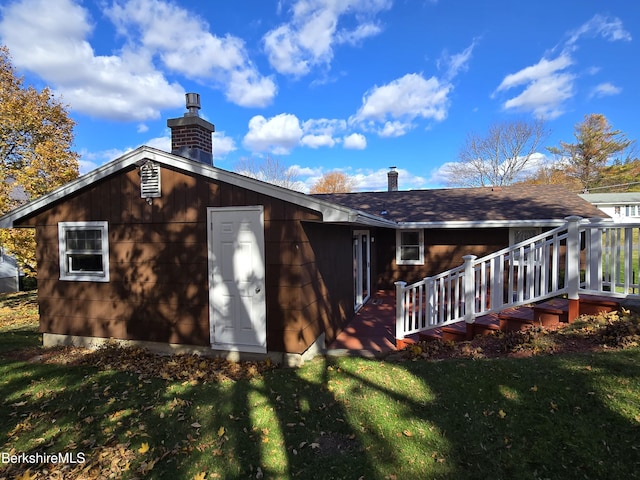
{"type": "Point", "coordinates": [407, 433]}
{"type": "Point", "coordinates": [200, 476]}
{"type": "Point", "coordinates": [221, 431]}
{"type": "Point", "coordinates": [144, 448]}
{"type": "Point", "coordinates": [196, 425]}
{"type": "Point", "coordinates": [502, 413]}
{"type": "Point", "coordinates": [26, 476]}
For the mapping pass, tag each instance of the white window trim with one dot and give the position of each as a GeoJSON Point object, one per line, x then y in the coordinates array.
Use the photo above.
{"type": "Point", "coordinates": [420, 260]}
{"type": "Point", "coordinates": [65, 274]}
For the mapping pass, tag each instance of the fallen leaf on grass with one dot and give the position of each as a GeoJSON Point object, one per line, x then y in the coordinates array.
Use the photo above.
{"type": "Point", "coordinates": [26, 476]}
{"type": "Point", "coordinates": [196, 425]}
{"type": "Point", "coordinates": [144, 448]}
{"type": "Point", "coordinates": [200, 476]}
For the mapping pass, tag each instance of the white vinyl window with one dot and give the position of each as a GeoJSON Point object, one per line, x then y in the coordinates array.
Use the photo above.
{"type": "Point", "coordinates": [84, 251]}
{"type": "Point", "coordinates": [410, 247]}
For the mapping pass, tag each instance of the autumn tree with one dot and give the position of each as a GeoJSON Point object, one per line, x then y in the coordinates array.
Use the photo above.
{"type": "Point", "coordinates": [270, 170]}
{"type": "Point", "coordinates": [596, 145]}
{"type": "Point", "coordinates": [333, 182]}
{"type": "Point", "coordinates": [36, 134]}
{"type": "Point", "coordinates": [501, 157]}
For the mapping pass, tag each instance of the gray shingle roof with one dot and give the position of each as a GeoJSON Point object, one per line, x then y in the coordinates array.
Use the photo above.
{"type": "Point", "coordinates": [512, 203]}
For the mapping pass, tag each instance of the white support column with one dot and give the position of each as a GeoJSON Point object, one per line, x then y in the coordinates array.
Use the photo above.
{"type": "Point", "coordinates": [429, 301]}
{"type": "Point", "coordinates": [469, 289]}
{"type": "Point", "coordinates": [573, 256]}
{"type": "Point", "coordinates": [573, 266]}
{"type": "Point", "coordinates": [497, 279]}
{"type": "Point", "coordinates": [400, 309]}
{"type": "Point", "coordinates": [595, 255]}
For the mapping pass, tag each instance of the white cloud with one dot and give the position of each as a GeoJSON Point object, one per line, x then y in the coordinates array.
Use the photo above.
{"type": "Point", "coordinates": [610, 29]}
{"type": "Point", "coordinates": [543, 69]}
{"type": "Point", "coordinates": [547, 85]}
{"type": "Point", "coordinates": [53, 45]}
{"type": "Point", "coordinates": [282, 133]}
{"type": "Point", "coordinates": [278, 135]}
{"type": "Point", "coordinates": [355, 141]}
{"type": "Point", "coordinates": [376, 180]}
{"type": "Point", "coordinates": [128, 84]}
{"type": "Point", "coordinates": [544, 97]}
{"type": "Point", "coordinates": [222, 145]}
{"type": "Point", "coordinates": [390, 109]}
{"type": "Point", "coordinates": [605, 90]}
{"type": "Point", "coordinates": [458, 62]}
{"type": "Point", "coordinates": [161, 143]}
{"type": "Point", "coordinates": [550, 83]}
{"type": "Point", "coordinates": [183, 42]}
{"type": "Point", "coordinates": [317, 141]}
{"type": "Point", "coordinates": [308, 40]}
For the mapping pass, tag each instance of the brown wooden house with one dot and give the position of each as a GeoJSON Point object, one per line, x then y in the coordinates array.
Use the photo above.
{"type": "Point", "coordinates": [166, 249]}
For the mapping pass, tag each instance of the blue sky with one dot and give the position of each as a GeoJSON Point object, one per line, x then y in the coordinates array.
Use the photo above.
{"type": "Point", "coordinates": [353, 85]}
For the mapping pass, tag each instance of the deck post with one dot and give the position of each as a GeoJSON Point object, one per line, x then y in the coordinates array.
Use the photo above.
{"type": "Point", "coordinates": [400, 310]}
{"type": "Point", "coordinates": [469, 289]}
{"type": "Point", "coordinates": [573, 265]}
{"type": "Point", "coordinates": [594, 263]}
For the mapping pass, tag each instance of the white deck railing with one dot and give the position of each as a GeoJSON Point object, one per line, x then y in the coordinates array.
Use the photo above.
{"type": "Point", "coordinates": [596, 257]}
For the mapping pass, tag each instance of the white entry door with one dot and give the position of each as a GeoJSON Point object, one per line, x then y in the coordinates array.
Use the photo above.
{"type": "Point", "coordinates": [237, 310]}
{"type": "Point", "coordinates": [361, 268]}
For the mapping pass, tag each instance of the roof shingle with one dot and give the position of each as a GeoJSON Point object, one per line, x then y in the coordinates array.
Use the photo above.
{"type": "Point", "coordinates": [512, 203]}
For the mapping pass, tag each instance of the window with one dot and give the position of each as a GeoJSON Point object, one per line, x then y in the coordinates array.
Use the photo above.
{"type": "Point", "coordinates": [84, 251]}
{"type": "Point", "coordinates": [409, 247]}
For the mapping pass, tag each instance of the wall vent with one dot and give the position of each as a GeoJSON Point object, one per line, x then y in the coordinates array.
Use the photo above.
{"type": "Point", "coordinates": [150, 186]}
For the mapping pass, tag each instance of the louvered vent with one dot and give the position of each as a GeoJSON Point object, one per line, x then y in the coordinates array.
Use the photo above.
{"type": "Point", "coordinates": [150, 181]}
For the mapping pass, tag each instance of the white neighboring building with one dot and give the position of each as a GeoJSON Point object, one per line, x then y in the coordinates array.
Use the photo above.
{"type": "Point", "coordinates": [621, 207]}
{"type": "Point", "coordinates": [9, 273]}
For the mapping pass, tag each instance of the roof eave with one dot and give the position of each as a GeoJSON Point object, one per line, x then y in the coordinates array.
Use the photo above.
{"type": "Point", "coordinates": [552, 222]}
{"type": "Point", "coordinates": [331, 212]}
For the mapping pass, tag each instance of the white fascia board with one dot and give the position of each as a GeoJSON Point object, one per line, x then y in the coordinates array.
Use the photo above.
{"type": "Point", "coordinates": [8, 220]}
{"type": "Point", "coordinates": [331, 212]}
{"type": "Point", "coordinates": [483, 224]}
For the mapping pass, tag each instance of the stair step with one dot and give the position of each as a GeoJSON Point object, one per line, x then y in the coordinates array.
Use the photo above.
{"type": "Point", "coordinates": [594, 304]}
{"type": "Point", "coordinates": [486, 324]}
{"type": "Point", "coordinates": [515, 319]}
{"type": "Point", "coordinates": [545, 314]}
{"type": "Point", "coordinates": [455, 332]}
{"type": "Point", "coordinates": [551, 312]}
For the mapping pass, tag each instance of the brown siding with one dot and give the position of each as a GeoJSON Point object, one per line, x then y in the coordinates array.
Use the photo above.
{"type": "Point", "coordinates": [158, 288]}
{"type": "Point", "coordinates": [443, 250]}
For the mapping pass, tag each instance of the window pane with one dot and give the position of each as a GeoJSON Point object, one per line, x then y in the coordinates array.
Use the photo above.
{"type": "Point", "coordinates": [84, 239]}
{"type": "Point", "coordinates": [410, 238]}
{"type": "Point", "coordinates": [409, 253]}
{"type": "Point", "coordinates": [85, 263]}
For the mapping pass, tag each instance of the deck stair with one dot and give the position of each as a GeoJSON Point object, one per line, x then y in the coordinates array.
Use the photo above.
{"type": "Point", "coordinates": [545, 314]}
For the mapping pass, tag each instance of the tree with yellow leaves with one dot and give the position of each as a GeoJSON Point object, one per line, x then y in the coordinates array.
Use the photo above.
{"type": "Point", "coordinates": [36, 134]}
{"type": "Point", "coordinates": [333, 182]}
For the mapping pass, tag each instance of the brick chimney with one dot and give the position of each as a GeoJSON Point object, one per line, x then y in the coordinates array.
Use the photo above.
{"type": "Point", "coordinates": [190, 134]}
{"type": "Point", "coordinates": [392, 179]}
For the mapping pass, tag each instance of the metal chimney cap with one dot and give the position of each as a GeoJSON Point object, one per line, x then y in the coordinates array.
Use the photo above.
{"type": "Point", "coordinates": [193, 104]}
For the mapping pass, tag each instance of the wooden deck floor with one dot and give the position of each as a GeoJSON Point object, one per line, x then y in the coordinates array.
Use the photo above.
{"type": "Point", "coordinates": [372, 331]}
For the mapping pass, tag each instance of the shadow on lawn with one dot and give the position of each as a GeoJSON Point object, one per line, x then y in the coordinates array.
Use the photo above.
{"type": "Point", "coordinates": [545, 417]}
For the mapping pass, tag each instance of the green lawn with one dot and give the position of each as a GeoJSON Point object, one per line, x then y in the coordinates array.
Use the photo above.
{"type": "Point", "coordinates": [547, 417]}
